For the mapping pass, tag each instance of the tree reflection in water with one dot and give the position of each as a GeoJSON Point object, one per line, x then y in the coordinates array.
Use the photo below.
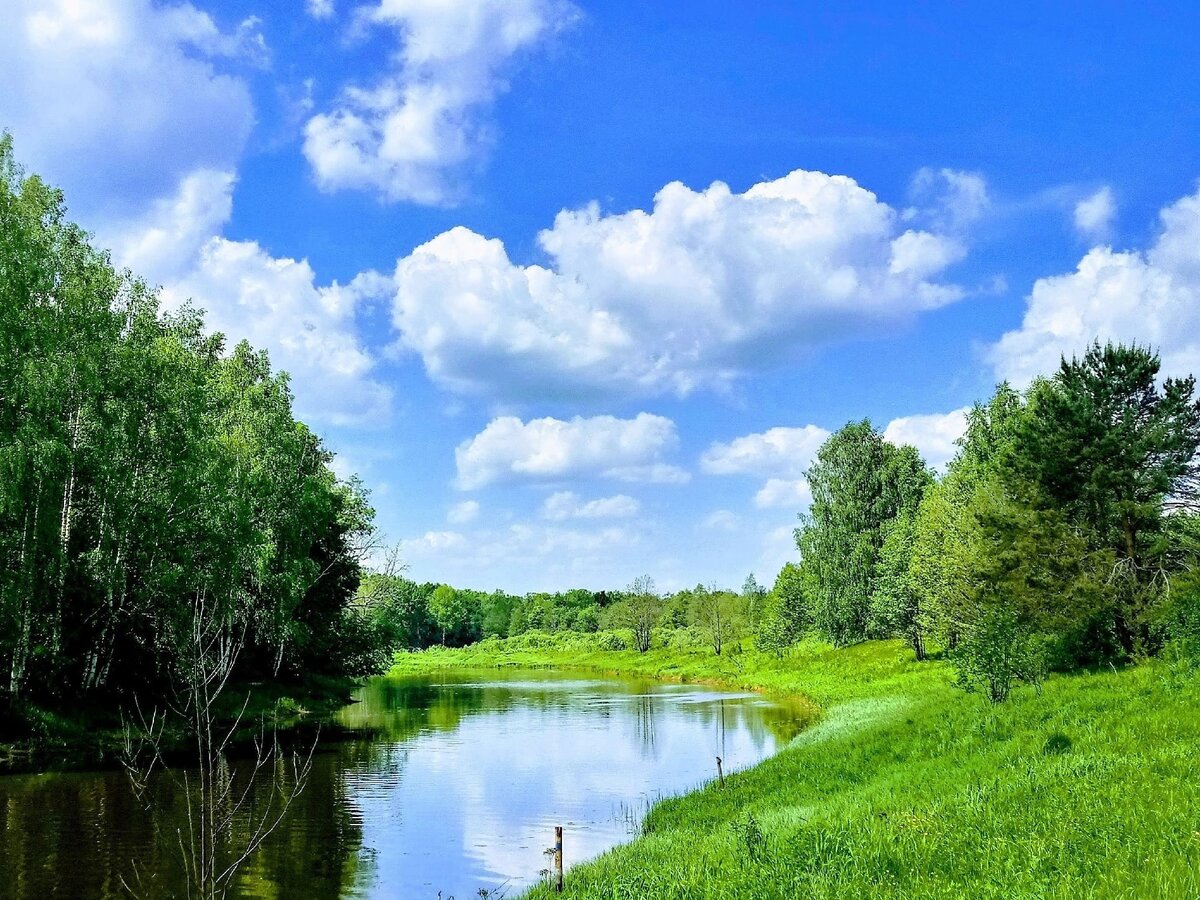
{"type": "Point", "coordinates": [451, 783]}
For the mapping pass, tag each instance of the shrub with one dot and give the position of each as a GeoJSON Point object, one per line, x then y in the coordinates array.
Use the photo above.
{"type": "Point", "coordinates": [1177, 623]}
{"type": "Point", "coordinates": [998, 652]}
{"type": "Point", "coordinates": [610, 640]}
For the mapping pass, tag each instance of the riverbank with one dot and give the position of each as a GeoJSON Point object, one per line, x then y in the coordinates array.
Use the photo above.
{"type": "Point", "coordinates": [37, 738]}
{"type": "Point", "coordinates": [906, 786]}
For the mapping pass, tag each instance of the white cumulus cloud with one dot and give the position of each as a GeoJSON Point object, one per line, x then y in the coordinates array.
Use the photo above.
{"type": "Point", "coordinates": [541, 557]}
{"type": "Point", "coordinates": [777, 451]}
{"type": "Point", "coordinates": [933, 434]}
{"type": "Point", "coordinates": [653, 473]}
{"type": "Point", "coordinates": [117, 100]}
{"type": "Point", "coordinates": [547, 449]}
{"type": "Point", "coordinates": [569, 505]}
{"type": "Point", "coordinates": [948, 199]}
{"type": "Point", "coordinates": [722, 520]}
{"type": "Point", "coordinates": [432, 543]}
{"type": "Point", "coordinates": [778, 549]}
{"type": "Point", "coordinates": [705, 287]}
{"type": "Point", "coordinates": [783, 493]}
{"type": "Point", "coordinates": [1150, 297]}
{"type": "Point", "coordinates": [276, 303]}
{"type": "Point", "coordinates": [1094, 215]}
{"type": "Point", "coordinates": [782, 454]}
{"type": "Point", "coordinates": [409, 134]}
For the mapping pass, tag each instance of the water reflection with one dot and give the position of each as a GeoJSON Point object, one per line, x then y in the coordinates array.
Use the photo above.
{"type": "Point", "coordinates": [438, 784]}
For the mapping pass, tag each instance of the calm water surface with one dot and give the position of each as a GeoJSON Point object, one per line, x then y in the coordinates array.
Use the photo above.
{"type": "Point", "coordinates": [449, 783]}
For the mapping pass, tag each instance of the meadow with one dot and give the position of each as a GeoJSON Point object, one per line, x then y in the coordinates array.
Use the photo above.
{"type": "Point", "coordinates": [905, 786]}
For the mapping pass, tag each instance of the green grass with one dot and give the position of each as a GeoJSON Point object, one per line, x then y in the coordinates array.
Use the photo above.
{"type": "Point", "coordinates": [907, 787]}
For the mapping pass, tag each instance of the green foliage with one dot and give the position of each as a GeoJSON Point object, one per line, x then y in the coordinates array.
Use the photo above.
{"type": "Point", "coordinates": [1107, 444]}
{"type": "Point", "coordinates": [612, 641]}
{"type": "Point", "coordinates": [1111, 448]}
{"type": "Point", "coordinates": [150, 481]}
{"type": "Point", "coordinates": [1047, 543]}
{"type": "Point", "coordinates": [997, 651]}
{"type": "Point", "coordinates": [773, 634]}
{"type": "Point", "coordinates": [896, 607]}
{"type": "Point", "coordinates": [400, 610]}
{"type": "Point", "coordinates": [750, 837]}
{"type": "Point", "coordinates": [586, 619]}
{"type": "Point", "coordinates": [721, 615]}
{"type": "Point", "coordinates": [496, 613]}
{"type": "Point", "coordinates": [639, 610]}
{"type": "Point", "coordinates": [454, 614]}
{"type": "Point", "coordinates": [1177, 620]}
{"type": "Point", "coordinates": [786, 610]}
{"type": "Point", "coordinates": [859, 483]}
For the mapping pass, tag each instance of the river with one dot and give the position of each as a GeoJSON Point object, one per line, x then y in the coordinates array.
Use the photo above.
{"type": "Point", "coordinates": [445, 784]}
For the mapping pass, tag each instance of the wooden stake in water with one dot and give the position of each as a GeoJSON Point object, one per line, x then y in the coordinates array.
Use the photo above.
{"type": "Point", "coordinates": [558, 876]}
{"type": "Point", "coordinates": [720, 774]}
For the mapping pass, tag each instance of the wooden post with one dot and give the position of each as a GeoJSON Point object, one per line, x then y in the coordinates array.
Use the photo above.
{"type": "Point", "coordinates": [720, 774]}
{"type": "Point", "coordinates": [558, 875]}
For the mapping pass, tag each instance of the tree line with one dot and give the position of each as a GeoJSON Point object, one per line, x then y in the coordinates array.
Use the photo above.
{"type": "Point", "coordinates": [156, 489]}
{"type": "Point", "coordinates": [1064, 533]}
{"type": "Point", "coordinates": [406, 615]}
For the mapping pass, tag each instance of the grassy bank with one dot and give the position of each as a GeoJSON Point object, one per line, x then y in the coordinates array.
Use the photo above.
{"type": "Point", "coordinates": [908, 787]}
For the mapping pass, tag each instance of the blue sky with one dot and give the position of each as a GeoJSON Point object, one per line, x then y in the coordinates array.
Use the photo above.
{"type": "Point", "coordinates": [579, 287]}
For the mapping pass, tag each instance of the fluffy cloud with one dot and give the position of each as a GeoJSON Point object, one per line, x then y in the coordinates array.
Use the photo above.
{"type": "Point", "coordinates": [432, 543]}
{"type": "Point", "coordinates": [164, 242]}
{"type": "Point", "coordinates": [117, 100]}
{"type": "Point", "coordinates": [462, 513]}
{"type": "Point", "coordinates": [1151, 297]}
{"type": "Point", "coordinates": [948, 199]}
{"type": "Point", "coordinates": [569, 505]}
{"type": "Point", "coordinates": [706, 286]}
{"type": "Point", "coordinates": [547, 449]}
{"type": "Point", "coordinates": [933, 434]}
{"type": "Point", "coordinates": [1094, 215]}
{"type": "Point", "coordinates": [406, 136]}
{"type": "Point", "coordinates": [654, 473]}
{"type": "Point", "coordinates": [778, 548]}
{"type": "Point", "coordinates": [782, 493]}
{"type": "Point", "coordinates": [275, 303]}
{"type": "Point", "coordinates": [783, 454]}
{"type": "Point", "coordinates": [778, 451]}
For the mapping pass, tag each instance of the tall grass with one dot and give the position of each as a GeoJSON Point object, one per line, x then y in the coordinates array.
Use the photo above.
{"type": "Point", "coordinates": [907, 787]}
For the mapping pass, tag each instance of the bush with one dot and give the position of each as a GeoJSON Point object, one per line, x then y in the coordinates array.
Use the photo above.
{"type": "Point", "coordinates": [998, 652]}
{"type": "Point", "coordinates": [610, 640]}
{"type": "Point", "coordinates": [688, 638]}
{"type": "Point", "coordinates": [1177, 623]}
